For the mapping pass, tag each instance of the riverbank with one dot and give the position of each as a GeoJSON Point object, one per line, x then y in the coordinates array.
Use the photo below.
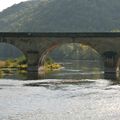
{"type": "Point", "coordinates": [9, 66]}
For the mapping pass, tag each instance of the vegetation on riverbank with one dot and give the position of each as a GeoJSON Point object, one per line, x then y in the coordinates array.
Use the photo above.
{"type": "Point", "coordinates": [19, 63]}
{"type": "Point", "coordinates": [50, 65]}
{"type": "Point", "coordinates": [8, 65]}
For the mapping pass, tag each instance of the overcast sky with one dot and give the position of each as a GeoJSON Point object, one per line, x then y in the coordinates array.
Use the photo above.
{"type": "Point", "coordinates": [7, 3]}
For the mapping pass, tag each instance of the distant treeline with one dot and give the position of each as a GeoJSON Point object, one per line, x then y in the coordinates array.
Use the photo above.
{"type": "Point", "coordinates": [74, 51]}
{"type": "Point", "coordinates": [62, 16]}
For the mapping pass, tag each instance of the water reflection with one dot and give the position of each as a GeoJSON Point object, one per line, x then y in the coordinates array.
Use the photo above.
{"type": "Point", "coordinates": [69, 90]}
{"type": "Point", "coordinates": [72, 69]}
{"type": "Point", "coordinates": [78, 69]}
{"type": "Point", "coordinates": [12, 73]}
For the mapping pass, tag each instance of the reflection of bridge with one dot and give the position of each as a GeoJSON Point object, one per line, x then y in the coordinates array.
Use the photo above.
{"type": "Point", "coordinates": [38, 45]}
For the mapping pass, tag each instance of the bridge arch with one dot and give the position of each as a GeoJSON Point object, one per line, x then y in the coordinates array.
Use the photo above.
{"type": "Point", "coordinates": [52, 47]}
{"type": "Point", "coordinates": [35, 45]}
{"type": "Point", "coordinates": [110, 59]}
{"type": "Point", "coordinates": [112, 64]}
{"type": "Point", "coordinates": [10, 51]}
{"type": "Point", "coordinates": [11, 47]}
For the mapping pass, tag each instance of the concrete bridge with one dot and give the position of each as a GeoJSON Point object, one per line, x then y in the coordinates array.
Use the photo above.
{"type": "Point", "coordinates": [36, 46]}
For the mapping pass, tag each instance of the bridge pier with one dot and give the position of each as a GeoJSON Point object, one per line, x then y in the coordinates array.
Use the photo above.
{"type": "Point", "coordinates": [32, 61]}
{"type": "Point", "coordinates": [111, 65]}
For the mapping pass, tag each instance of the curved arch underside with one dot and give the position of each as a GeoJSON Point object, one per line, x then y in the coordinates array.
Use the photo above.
{"type": "Point", "coordinates": [9, 51]}
{"type": "Point", "coordinates": [56, 46]}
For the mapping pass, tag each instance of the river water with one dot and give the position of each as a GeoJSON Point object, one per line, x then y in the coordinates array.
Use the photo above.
{"type": "Point", "coordinates": [76, 92]}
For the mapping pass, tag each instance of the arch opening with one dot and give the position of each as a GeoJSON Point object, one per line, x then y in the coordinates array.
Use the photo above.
{"type": "Point", "coordinates": [13, 62]}
{"type": "Point", "coordinates": [8, 51]}
{"type": "Point", "coordinates": [111, 65]}
{"type": "Point", "coordinates": [76, 61]}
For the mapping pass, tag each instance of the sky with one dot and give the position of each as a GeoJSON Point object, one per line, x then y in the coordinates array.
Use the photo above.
{"type": "Point", "coordinates": [7, 3]}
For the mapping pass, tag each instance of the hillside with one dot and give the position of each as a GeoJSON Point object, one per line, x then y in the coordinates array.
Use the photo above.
{"type": "Point", "coordinates": [61, 16]}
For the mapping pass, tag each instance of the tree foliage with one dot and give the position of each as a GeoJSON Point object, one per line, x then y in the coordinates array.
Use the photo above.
{"type": "Point", "coordinates": [61, 16]}
{"type": "Point", "coordinates": [74, 51]}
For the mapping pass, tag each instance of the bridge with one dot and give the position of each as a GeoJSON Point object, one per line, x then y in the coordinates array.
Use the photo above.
{"type": "Point", "coordinates": [36, 46]}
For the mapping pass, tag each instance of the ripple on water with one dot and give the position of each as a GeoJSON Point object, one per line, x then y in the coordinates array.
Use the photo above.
{"type": "Point", "coordinates": [67, 85]}
{"type": "Point", "coordinates": [59, 82]}
{"type": "Point", "coordinates": [82, 98]}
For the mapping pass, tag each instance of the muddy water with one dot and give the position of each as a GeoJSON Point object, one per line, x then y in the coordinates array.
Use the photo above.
{"type": "Point", "coordinates": [85, 96]}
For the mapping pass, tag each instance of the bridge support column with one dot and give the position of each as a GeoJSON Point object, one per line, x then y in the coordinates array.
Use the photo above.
{"type": "Point", "coordinates": [32, 61]}
{"type": "Point", "coordinates": [111, 65]}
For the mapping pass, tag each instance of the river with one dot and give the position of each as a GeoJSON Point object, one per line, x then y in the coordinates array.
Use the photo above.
{"type": "Point", "coordinates": [76, 92]}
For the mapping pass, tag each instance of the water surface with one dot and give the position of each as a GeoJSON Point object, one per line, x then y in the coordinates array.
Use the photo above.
{"type": "Point", "coordinates": [73, 93]}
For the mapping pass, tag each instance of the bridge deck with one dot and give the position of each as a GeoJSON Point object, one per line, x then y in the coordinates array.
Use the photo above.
{"type": "Point", "coordinates": [59, 34]}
